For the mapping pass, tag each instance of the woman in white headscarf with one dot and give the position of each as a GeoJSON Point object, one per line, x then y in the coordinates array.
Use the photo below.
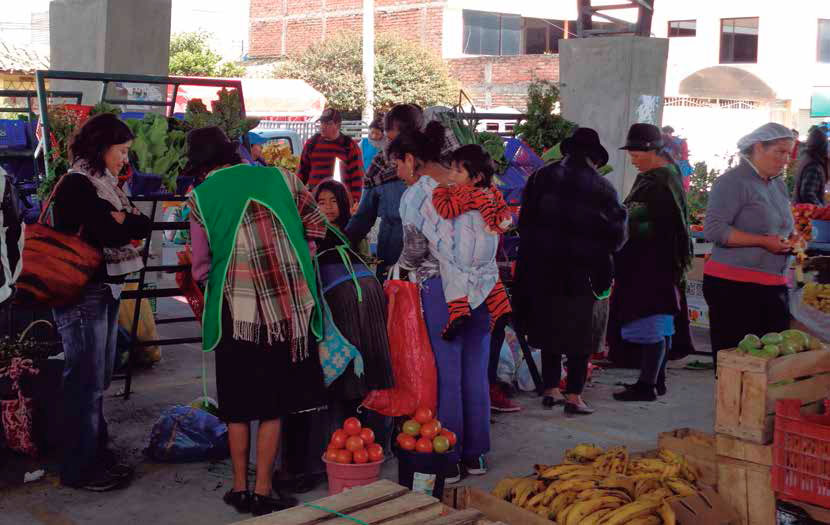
{"type": "Point", "coordinates": [750, 222]}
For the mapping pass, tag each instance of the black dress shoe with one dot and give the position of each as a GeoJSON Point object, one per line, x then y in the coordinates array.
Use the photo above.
{"type": "Point", "coordinates": [550, 402]}
{"type": "Point", "coordinates": [637, 392]}
{"type": "Point", "coordinates": [240, 500]}
{"type": "Point", "coordinates": [661, 389]}
{"type": "Point", "coordinates": [262, 505]}
{"type": "Point", "coordinates": [578, 410]}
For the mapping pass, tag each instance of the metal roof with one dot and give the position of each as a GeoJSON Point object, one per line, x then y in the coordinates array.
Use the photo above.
{"type": "Point", "coordinates": [16, 59]}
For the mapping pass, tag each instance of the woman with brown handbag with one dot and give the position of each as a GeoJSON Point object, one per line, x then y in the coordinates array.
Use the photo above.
{"type": "Point", "coordinates": [89, 203]}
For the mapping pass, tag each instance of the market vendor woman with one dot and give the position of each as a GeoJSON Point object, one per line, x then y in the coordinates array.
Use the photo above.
{"type": "Point", "coordinates": [750, 222]}
{"type": "Point", "coordinates": [651, 267]}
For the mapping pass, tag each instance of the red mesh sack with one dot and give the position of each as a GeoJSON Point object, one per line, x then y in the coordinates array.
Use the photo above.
{"type": "Point", "coordinates": [413, 364]}
{"type": "Point", "coordinates": [191, 291]}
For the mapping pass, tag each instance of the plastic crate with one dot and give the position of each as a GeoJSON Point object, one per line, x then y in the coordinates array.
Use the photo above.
{"type": "Point", "coordinates": [14, 134]}
{"type": "Point", "coordinates": [801, 454]}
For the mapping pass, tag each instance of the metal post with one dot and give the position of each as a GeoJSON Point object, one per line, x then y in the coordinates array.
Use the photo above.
{"type": "Point", "coordinates": [44, 118]}
{"type": "Point", "coordinates": [369, 59]}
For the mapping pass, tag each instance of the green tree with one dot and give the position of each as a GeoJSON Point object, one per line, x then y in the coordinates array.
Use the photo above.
{"type": "Point", "coordinates": [404, 72]}
{"type": "Point", "coordinates": [190, 55]}
{"type": "Point", "coordinates": [700, 184]}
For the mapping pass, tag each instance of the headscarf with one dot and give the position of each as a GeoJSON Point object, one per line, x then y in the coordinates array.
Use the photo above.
{"type": "Point", "coordinates": [766, 133]}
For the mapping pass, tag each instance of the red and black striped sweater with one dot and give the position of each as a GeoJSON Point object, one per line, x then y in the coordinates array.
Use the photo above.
{"type": "Point", "coordinates": [317, 163]}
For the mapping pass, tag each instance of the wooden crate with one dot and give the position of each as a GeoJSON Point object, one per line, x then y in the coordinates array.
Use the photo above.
{"type": "Point", "coordinates": [697, 447]}
{"type": "Point", "coordinates": [747, 487]}
{"type": "Point", "coordinates": [745, 478]}
{"type": "Point", "coordinates": [381, 502]}
{"type": "Point", "coordinates": [747, 388]}
{"type": "Point", "coordinates": [491, 507]}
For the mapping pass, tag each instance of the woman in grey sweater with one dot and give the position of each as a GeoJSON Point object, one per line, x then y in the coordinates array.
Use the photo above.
{"type": "Point", "coordinates": [750, 222]}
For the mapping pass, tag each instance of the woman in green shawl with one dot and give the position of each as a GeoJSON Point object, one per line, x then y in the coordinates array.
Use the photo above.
{"type": "Point", "coordinates": [651, 266]}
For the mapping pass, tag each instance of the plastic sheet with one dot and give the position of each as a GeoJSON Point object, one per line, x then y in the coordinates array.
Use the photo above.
{"type": "Point", "coordinates": [184, 434]}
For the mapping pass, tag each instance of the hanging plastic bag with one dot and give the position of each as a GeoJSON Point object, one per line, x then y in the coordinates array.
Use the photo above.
{"type": "Point", "coordinates": [184, 434]}
{"type": "Point", "coordinates": [17, 413]}
{"type": "Point", "coordinates": [506, 370]}
{"type": "Point", "coordinates": [523, 377]}
{"type": "Point", "coordinates": [146, 326]}
{"type": "Point", "coordinates": [413, 364]}
{"type": "Point", "coordinates": [816, 321]}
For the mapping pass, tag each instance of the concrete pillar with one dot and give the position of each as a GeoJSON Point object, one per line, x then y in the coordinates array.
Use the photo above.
{"type": "Point", "coordinates": [109, 36]}
{"type": "Point", "coordinates": [609, 83]}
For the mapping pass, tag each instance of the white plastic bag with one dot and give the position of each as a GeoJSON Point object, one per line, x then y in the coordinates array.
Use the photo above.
{"type": "Point", "coordinates": [816, 321]}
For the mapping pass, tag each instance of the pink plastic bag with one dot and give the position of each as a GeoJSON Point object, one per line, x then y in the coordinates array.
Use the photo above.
{"type": "Point", "coordinates": [413, 364]}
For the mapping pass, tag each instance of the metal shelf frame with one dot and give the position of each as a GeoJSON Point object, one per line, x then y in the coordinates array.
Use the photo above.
{"type": "Point", "coordinates": [140, 293]}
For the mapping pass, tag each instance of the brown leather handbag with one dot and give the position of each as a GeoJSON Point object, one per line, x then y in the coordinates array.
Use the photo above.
{"type": "Point", "coordinates": [56, 266]}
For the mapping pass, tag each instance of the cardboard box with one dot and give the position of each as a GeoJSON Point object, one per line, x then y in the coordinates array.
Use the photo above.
{"type": "Point", "coordinates": [697, 447]}
{"type": "Point", "coordinates": [705, 507]}
{"type": "Point", "coordinates": [491, 507]}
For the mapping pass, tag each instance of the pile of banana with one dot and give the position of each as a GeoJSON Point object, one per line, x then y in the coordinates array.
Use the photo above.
{"type": "Point", "coordinates": [599, 487]}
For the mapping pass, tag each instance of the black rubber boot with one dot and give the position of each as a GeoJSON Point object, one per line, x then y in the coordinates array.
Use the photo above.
{"type": "Point", "coordinates": [637, 392]}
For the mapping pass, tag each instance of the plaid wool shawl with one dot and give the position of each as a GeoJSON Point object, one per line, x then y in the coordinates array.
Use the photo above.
{"type": "Point", "coordinates": [264, 287]}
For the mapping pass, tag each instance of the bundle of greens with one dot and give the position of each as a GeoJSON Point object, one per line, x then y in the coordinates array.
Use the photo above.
{"type": "Point", "coordinates": [157, 148]}
{"type": "Point", "coordinates": [543, 128]}
{"type": "Point", "coordinates": [226, 114]}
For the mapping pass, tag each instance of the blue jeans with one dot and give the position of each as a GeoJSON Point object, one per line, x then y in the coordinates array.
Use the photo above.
{"type": "Point", "coordinates": [89, 331]}
{"type": "Point", "coordinates": [463, 388]}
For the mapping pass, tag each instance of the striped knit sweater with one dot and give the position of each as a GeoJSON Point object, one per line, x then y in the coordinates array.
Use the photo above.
{"type": "Point", "coordinates": [317, 163]}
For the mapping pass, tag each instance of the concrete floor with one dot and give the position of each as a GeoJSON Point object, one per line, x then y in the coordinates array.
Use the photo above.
{"type": "Point", "coordinates": [164, 494]}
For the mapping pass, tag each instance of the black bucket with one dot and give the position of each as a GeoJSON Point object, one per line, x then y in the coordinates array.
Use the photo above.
{"type": "Point", "coordinates": [789, 514]}
{"type": "Point", "coordinates": [423, 473]}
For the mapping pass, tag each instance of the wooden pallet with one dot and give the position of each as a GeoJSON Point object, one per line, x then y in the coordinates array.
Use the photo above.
{"type": "Point", "coordinates": [492, 507]}
{"type": "Point", "coordinates": [745, 478]}
{"type": "Point", "coordinates": [381, 502]}
{"type": "Point", "coordinates": [697, 447]}
{"type": "Point", "coordinates": [747, 388]}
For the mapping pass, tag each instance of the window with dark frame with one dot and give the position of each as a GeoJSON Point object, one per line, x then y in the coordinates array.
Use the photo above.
{"type": "Point", "coordinates": [824, 41]}
{"type": "Point", "coordinates": [680, 28]}
{"type": "Point", "coordinates": [542, 36]}
{"type": "Point", "coordinates": [491, 33]}
{"type": "Point", "coordinates": [739, 40]}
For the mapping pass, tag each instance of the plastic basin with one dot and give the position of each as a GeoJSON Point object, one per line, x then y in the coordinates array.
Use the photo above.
{"type": "Point", "coordinates": [821, 230]}
{"type": "Point", "coordinates": [344, 476]}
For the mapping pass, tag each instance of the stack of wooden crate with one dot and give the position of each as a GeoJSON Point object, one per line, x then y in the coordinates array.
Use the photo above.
{"type": "Point", "coordinates": [747, 388]}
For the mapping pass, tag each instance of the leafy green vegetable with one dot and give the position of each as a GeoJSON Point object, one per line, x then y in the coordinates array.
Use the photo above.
{"type": "Point", "coordinates": [157, 148]}
{"type": "Point", "coordinates": [494, 146]}
{"type": "Point", "coordinates": [543, 127]}
{"type": "Point", "coordinates": [226, 114]}
{"type": "Point", "coordinates": [104, 107]}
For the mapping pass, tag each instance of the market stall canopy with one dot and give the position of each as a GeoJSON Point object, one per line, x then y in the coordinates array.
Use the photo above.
{"type": "Point", "coordinates": [726, 82]}
{"type": "Point", "coordinates": [264, 98]}
{"type": "Point", "coordinates": [20, 60]}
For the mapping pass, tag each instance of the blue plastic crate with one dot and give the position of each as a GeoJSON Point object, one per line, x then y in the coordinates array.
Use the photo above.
{"type": "Point", "coordinates": [14, 134]}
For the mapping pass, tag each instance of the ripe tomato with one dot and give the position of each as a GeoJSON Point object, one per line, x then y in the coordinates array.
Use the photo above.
{"type": "Point", "coordinates": [440, 444]}
{"type": "Point", "coordinates": [360, 456]}
{"type": "Point", "coordinates": [400, 437]}
{"type": "Point", "coordinates": [352, 426]}
{"type": "Point", "coordinates": [375, 452]}
{"type": "Point", "coordinates": [450, 435]}
{"type": "Point", "coordinates": [424, 445]}
{"type": "Point", "coordinates": [354, 443]}
{"type": "Point", "coordinates": [430, 430]}
{"type": "Point", "coordinates": [344, 456]}
{"type": "Point", "coordinates": [412, 427]}
{"type": "Point", "coordinates": [331, 455]}
{"type": "Point", "coordinates": [407, 442]}
{"type": "Point", "coordinates": [367, 435]}
{"type": "Point", "coordinates": [423, 415]}
{"type": "Point", "coordinates": [338, 439]}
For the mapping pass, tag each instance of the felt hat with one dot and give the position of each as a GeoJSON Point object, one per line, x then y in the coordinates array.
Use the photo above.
{"type": "Point", "coordinates": [644, 137]}
{"type": "Point", "coordinates": [585, 141]}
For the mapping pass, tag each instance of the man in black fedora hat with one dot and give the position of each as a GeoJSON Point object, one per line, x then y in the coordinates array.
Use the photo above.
{"type": "Point", "coordinates": [560, 302]}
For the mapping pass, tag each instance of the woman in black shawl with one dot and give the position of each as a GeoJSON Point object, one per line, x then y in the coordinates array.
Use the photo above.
{"type": "Point", "coordinates": [570, 224]}
{"type": "Point", "coordinates": [652, 265]}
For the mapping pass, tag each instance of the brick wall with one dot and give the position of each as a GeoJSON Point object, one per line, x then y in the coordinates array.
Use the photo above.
{"type": "Point", "coordinates": [502, 81]}
{"type": "Point", "coordinates": [287, 27]}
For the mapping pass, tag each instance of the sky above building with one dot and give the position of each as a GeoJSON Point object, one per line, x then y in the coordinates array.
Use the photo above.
{"type": "Point", "coordinates": [227, 21]}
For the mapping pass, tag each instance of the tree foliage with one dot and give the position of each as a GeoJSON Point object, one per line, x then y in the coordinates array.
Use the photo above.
{"type": "Point", "coordinates": [404, 72]}
{"type": "Point", "coordinates": [700, 184]}
{"type": "Point", "coordinates": [191, 55]}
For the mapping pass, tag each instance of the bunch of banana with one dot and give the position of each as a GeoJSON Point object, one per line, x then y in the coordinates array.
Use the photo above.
{"type": "Point", "coordinates": [597, 487]}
